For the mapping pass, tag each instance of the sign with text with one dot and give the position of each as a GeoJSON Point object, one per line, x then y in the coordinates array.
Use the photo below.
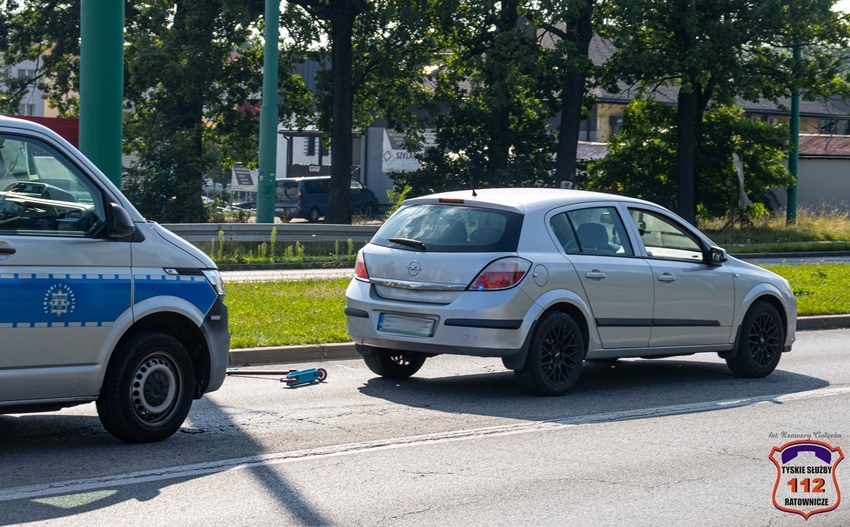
{"type": "Point", "coordinates": [396, 158]}
{"type": "Point", "coordinates": [243, 179]}
{"type": "Point", "coordinates": [806, 483]}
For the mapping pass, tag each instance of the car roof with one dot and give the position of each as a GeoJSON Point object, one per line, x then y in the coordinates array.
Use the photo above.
{"type": "Point", "coordinates": [526, 199]}
{"type": "Point", "coordinates": [7, 121]}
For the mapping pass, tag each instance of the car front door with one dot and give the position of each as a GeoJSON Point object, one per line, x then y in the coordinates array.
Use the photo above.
{"type": "Point", "coordinates": [61, 283]}
{"type": "Point", "coordinates": [618, 285]}
{"type": "Point", "coordinates": [694, 301]}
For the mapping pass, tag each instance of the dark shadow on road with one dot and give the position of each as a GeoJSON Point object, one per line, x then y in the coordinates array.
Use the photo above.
{"type": "Point", "coordinates": [622, 386]}
{"type": "Point", "coordinates": [77, 448]}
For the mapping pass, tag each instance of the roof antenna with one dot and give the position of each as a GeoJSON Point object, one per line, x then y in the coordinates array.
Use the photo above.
{"type": "Point", "coordinates": [472, 184]}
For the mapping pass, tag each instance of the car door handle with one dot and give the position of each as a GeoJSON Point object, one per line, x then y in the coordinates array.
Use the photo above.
{"type": "Point", "coordinates": [596, 274]}
{"type": "Point", "coordinates": [666, 277]}
{"type": "Point", "coordinates": [7, 250]}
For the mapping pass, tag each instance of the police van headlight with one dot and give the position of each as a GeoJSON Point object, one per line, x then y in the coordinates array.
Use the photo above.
{"type": "Point", "coordinates": [214, 278]}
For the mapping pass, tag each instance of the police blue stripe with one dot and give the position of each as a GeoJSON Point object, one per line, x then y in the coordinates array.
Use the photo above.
{"type": "Point", "coordinates": [30, 300]}
{"type": "Point", "coordinates": [60, 300]}
{"type": "Point", "coordinates": [195, 289]}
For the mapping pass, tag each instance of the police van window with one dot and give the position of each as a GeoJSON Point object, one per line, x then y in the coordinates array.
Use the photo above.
{"type": "Point", "coordinates": [43, 193]}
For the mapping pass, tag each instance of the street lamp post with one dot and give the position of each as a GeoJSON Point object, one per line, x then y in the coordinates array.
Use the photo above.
{"type": "Point", "coordinates": [102, 84]}
{"type": "Point", "coordinates": [268, 117]}
{"type": "Point", "coordinates": [794, 146]}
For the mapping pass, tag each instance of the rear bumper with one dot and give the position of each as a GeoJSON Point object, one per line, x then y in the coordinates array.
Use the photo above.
{"type": "Point", "coordinates": [482, 324]}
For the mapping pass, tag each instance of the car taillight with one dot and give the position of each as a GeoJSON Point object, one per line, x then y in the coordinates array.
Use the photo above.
{"type": "Point", "coordinates": [360, 271]}
{"type": "Point", "coordinates": [501, 274]}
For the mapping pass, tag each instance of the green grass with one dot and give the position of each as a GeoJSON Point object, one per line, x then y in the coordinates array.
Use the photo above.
{"type": "Point", "coordinates": [287, 313]}
{"type": "Point", "coordinates": [311, 311]}
{"type": "Point", "coordinates": [820, 289]}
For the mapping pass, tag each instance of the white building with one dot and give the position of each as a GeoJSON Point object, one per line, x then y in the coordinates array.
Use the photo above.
{"type": "Point", "coordinates": [33, 103]}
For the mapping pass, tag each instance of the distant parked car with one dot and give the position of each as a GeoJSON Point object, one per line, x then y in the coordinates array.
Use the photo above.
{"type": "Point", "coordinates": [307, 198]}
{"type": "Point", "coordinates": [548, 278]}
{"type": "Point", "coordinates": [245, 206]}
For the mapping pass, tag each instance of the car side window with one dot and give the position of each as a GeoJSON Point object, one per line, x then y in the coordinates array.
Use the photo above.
{"type": "Point", "coordinates": [596, 230]}
{"type": "Point", "coordinates": [664, 239]}
{"type": "Point", "coordinates": [43, 193]}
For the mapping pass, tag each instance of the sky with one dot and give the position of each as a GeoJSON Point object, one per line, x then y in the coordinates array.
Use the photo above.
{"type": "Point", "coordinates": [842, 5]}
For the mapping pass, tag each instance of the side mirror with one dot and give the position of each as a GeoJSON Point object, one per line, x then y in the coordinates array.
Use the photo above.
{"type": "Point", "coordinates": [118, 223]}
{"type": "Point", "coordinates": [716, 255]}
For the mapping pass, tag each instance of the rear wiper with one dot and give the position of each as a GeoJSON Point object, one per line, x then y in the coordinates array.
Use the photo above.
{"type": "Point", "coordinates": [415, 244]}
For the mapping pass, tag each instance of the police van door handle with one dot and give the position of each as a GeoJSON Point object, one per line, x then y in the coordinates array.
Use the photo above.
{"type": "Point", "coordinates": [7, 250]}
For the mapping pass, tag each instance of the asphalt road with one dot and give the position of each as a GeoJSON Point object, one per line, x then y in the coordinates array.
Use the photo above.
{"type": "Point", "coordinates": [667, 442]}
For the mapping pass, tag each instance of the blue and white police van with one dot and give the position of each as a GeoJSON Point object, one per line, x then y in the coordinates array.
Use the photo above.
{"type": "Point", "coordinates": [96, 303]}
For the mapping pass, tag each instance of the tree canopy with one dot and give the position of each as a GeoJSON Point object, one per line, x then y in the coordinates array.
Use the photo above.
{"type": "Point", "coordinates": [504, 85]}
{"type": "Point", "coordinates": [717, 50]}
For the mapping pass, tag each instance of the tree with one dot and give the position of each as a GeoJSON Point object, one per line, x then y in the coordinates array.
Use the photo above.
{"type": "Point", "coordinates": [192, 75]}
{"type": "Point", "coordinates": [46, 32]}
{"type": "Point", "coordinates": [493, 128]}
{"type": "Point", "coordinates": [378, 51]}
{"type": "Point", "coordinates": [641, 161]}
{"type": "Point", "coordinates": [717, 50]}
{"type": "Point", "coordinates": [185, 79]}
{"type": "Point", "coordinates": [341, 16]}
{"type": "Point", "coordinates": [568, 24]}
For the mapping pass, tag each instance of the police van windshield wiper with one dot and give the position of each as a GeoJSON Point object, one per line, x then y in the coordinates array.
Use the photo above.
{"type": "Point", "coordinates": [415, 244]}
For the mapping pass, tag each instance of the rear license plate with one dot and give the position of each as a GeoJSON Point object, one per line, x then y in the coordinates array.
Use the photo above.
{"type": "Point", "coordinates": [406, 325]}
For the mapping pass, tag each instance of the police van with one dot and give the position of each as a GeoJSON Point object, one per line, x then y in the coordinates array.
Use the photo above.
{"type": "Point", "coordinates": [96, 303]}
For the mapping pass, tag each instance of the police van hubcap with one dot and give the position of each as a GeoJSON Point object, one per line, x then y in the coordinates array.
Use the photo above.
{"type": "Point", "coordinates": [154, 388]}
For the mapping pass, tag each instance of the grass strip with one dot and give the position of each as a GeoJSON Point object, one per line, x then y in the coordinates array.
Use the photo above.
{"type": "Point", "coordinates": [820, 289]}
{"type": "Point", "coordinates": [287, 313]}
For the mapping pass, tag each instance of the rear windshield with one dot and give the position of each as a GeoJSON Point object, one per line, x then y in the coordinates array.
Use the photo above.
{"type": "Point", "coordinates": [451, 228]}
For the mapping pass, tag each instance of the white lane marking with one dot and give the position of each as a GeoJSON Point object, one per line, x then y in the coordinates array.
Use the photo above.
{"type": "Point", "coordinates": [212, 467]}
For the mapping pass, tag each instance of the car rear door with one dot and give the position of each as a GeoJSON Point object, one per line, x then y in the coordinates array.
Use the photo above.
{"type": "Point", "coordinates": [617, 284]}
{"type": "Point", "coordinates": [61, 285]}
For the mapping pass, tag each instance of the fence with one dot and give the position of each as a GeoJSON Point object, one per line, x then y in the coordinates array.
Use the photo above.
{"type": "Point", "coordinates": [261, 232]}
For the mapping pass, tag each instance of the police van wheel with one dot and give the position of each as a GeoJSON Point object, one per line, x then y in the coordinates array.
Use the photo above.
{"type": "Point", "coordinates": [147, 391]}
{"type": "Point", "coordinates": [313, 216]}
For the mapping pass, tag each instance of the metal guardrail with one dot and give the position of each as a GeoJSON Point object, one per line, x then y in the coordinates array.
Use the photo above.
{"type": "Point", "coordinates": [261, 232]}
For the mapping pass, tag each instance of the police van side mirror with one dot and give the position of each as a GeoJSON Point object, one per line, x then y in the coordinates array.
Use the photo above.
{"type": "Point", "coordinates": [118, 222]}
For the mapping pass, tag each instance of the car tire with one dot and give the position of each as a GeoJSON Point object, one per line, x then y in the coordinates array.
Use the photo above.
{"type": "Point", "coordinates": [392, 364]}
{"type": "Point", "coordinates": [313, 216]}
{"type": "Point", "coordinates": [761, 341]}
{"type": "Point", "coordinates": [369, 210]}
{"type": "Point", "coordinates": [555, 356]}
{"type": "Point", "coordinates": [148, 389]}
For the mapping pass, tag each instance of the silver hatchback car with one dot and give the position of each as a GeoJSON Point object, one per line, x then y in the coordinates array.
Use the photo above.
{"type": "Point", "coordinates": [547, 278]}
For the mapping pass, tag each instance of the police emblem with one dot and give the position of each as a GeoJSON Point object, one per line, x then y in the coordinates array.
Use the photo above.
{"type": "Point", "coordinates": [59, 300]}
{"type": "Point", "coordinates": [805, 480]}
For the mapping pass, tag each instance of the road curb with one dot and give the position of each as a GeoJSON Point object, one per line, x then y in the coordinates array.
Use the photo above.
{"type": "Point", "coordinates": [277, 354]}
{"type": "Point", "coordinates": [345, 350]}
{"type": "Point", "coordinates": [823, 322]}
